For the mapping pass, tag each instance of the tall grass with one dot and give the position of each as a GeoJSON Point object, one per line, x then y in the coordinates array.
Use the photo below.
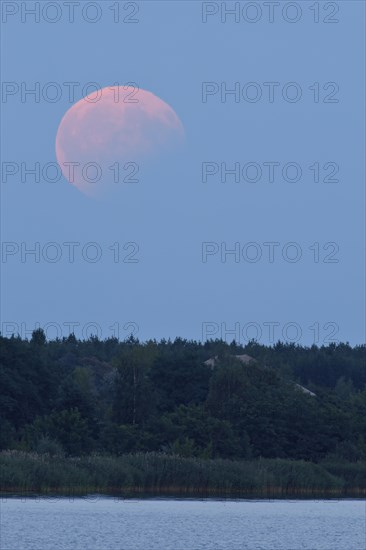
{"type": "Point", "coordinates": [162, 474]}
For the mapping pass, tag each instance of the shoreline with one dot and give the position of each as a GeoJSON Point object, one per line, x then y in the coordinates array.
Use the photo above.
{"type": "Point", "coordinates": [159, 475]}
{"type": "Point", "coordinates": [94, 493]}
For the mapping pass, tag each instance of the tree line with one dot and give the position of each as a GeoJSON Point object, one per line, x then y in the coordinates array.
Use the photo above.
{"type": "Point", "coordinates": [70, 397]}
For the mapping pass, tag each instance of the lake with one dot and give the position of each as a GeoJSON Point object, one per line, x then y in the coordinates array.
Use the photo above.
{"type": "Point", "coordinates": [107, 523]}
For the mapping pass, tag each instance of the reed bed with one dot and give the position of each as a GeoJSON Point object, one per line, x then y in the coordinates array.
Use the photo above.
{"type": "Point", "coordinates": [159, 474]}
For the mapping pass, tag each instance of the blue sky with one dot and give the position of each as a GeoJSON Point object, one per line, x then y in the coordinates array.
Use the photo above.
{"type": "Point", "coordinates": [174, 290]}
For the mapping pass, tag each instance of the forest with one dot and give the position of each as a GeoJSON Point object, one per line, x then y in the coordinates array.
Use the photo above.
{"type": "Point", "coordinates": [188, 401]}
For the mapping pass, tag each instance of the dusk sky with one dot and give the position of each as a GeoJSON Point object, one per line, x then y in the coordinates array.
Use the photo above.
{"type": "Point", "coordinates": [152, 257]}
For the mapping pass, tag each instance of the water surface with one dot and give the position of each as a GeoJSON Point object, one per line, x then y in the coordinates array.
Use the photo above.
{"type": "Point", "coordinates": [103, 523]}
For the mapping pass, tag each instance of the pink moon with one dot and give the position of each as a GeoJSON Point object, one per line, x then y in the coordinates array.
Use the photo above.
{"type": "Point", "coordinates": [112, 133]}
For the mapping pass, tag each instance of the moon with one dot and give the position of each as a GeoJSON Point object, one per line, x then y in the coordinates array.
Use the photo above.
{"type": "Point", "coordinates": [106, 138]}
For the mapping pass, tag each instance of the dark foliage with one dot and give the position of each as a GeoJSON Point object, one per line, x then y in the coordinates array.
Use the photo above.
{"type": "Point", "coordinates": [76, 397]}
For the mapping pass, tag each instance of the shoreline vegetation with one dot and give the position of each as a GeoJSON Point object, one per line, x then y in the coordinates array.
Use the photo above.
{"type": "Point", "coordinates": [181, 418]}
{"type": "Point", "coordinates": [160, 474]}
